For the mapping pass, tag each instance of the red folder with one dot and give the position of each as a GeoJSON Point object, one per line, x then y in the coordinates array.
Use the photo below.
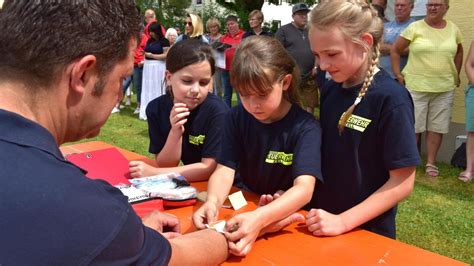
{"type": "Point", "coordinates": [110, 165]}
{"type": "Point", "coordinates": [107, 164]}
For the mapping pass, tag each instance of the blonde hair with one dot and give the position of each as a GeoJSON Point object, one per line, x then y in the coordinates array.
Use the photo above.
{"type": "Point", "coordinates": [354, 18]}
{"type": "Point", "coordinates": [213, 22]}
{"type": "Point", "coordinates": [257, 14]}
{"type": "Point", "coordinates": [198, 27]}
{"type": "Point", "coordinates": [259, 62]}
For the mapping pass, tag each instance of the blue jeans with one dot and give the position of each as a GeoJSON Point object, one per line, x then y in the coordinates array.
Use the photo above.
{"type": "Point", "coordinates": [137, 82]}
{"type": "Point", "coordinates": [227, 88]}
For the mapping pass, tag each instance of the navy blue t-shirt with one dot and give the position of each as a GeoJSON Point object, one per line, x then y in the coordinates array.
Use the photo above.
{"type": "Point", "coordinates": [202, 132]}
{"type": "Point", "coordinates": [269, 157]}
{"type": "Point", "coordinates": [51, 214]}
{"type": "Point", "coordinates": [156, 47]}
{"type": "Point", "coordinates": [379, 137]}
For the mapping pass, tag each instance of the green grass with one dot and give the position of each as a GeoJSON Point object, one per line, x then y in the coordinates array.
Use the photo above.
{"type": "Point", "coordinates": [438, 215]}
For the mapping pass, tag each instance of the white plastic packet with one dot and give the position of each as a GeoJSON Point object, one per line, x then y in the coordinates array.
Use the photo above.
{"type": "Point", "coordinates": [171, 186]}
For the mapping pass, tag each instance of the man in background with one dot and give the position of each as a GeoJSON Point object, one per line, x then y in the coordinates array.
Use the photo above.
{"type": "Point", "coordinates": [57, 85]}
{"type": "Point", "coordinates": [392, 31]}
{"type": "Point", "coordinates": [294, 37]}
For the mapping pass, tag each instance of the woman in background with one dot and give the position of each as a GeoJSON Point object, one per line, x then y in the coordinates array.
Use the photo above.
{"type": "Point", "coordinates": [431, 74]}
{"type": "Point", "coordinates": [154, 67]}
{"type": "Point", "coordinates": [171, 35]}
{"type": "Point", "coordinates": [213, 26]}
{"type": "Point", "coordinates": [193, 28]}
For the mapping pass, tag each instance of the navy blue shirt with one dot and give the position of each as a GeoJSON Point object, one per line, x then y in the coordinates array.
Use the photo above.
{"type": "Point", "coordinates": [156, 47]}
{"type": "Point", "coordinates": [51, 214]}
{"type": "Point", "coordinates": [202, 132]}
{"type": "Point", "coordinates": [379, 137]}
{"type": "Point", "coordinates": [269, 157]}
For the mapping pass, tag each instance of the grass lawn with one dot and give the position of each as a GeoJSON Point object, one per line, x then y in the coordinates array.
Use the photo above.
{"type": "Point", "coordinates": [438, 216]}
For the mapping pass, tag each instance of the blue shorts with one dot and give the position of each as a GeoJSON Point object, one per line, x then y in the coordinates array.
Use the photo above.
{"type": "Point", "coordinates": [469, 101]}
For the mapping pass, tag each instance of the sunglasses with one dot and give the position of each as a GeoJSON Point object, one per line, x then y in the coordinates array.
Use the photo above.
{"type": "Point", "coordinates": [190, 24]}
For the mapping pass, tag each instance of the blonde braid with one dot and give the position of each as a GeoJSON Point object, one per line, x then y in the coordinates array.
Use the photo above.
{"type": "Point", "coordinates": [365, 86]}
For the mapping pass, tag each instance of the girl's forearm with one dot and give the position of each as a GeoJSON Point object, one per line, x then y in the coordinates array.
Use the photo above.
{"type": "Point", "coordinates": [397, 188]}
{"type": "Point", "coordinates": [291, 201]}
{"type": "Point", "coordinates": [219, 184]}
{"type": "Point", "coordinates": [170, 155]}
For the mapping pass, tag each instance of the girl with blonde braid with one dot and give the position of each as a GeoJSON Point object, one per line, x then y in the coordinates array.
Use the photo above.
{"type": "Point", "coordinates": [368, 146]}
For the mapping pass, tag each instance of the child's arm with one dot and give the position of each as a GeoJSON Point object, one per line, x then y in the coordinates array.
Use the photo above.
{"type": "Point", "coordinates": [397, 187]}
{"type": "Point", "coordinates": [250, 223]}
{"type": "Point", "coordinates": [218, 188]}
{"type": "Point", "coordinates": [193, 172]}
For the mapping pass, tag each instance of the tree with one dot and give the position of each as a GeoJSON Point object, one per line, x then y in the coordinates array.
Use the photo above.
{"type": "Point", "coordinates": [168, 12]}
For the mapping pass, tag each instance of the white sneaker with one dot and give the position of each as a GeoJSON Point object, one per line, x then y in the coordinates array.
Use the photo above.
{"type": "Point", "coordinates": [137, 111]}
{"type": "Point", "coordinates": [115, 110]}
{"type": "Point", "coordinates": [128, 103]}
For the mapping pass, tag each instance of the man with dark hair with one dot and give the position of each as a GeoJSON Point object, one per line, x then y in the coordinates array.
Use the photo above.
{"type": "Point", "coordinates": [59, 84]}
{"type": "Point", "coordinates": [294, 37]}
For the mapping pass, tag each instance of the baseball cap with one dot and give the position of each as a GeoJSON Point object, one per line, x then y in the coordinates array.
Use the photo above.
{"type": "Point", "coordinates": [300, 7]}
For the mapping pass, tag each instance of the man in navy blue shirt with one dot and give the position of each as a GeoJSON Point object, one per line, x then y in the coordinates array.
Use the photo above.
{"type": "Point", "coordinates": [59, 84]}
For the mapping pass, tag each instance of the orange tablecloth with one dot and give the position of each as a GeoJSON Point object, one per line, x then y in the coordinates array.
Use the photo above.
{"type": "Point", "coordinates": [295, 245]}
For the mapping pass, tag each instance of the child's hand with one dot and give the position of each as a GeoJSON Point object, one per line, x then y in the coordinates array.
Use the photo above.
{"type": "Point", "coordinates": [323, 223]}
{"type": "Point", "coordinates": [141, 169]}
{"type": "Point", "coordinates": [178, 117]}
{"type": "Point", "coordinates": [267, 198]}
{"type": "Point", "coordinates": [248, 227]}
{"type": "Point", "coordinates": [207, 214]}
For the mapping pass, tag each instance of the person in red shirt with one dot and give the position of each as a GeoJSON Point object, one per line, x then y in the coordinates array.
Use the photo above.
{"type": "Point", "coordinates": [139, 59]}
{"type": "Point", "coordinates": [233, 37]}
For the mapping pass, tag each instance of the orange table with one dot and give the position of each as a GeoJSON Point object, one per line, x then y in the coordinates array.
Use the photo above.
{"type": "Point", "coordinates": [295, 245]}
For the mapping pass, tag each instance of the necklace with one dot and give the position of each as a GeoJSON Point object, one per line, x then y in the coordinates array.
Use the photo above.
{"type": "Point", "coordinates": [300, 30]}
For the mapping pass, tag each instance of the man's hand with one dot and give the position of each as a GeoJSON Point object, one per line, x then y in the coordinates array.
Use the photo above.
{"type": "Point", "coordinates": [165, 223]}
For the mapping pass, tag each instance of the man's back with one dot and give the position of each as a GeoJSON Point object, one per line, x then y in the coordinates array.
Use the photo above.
{"type": "Point", "coordinates": [52, 214]}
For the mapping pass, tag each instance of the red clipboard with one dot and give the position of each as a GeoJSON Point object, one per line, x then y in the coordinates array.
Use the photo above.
{"type": "Point", "coordinates": [107, 164]}
{"type": "Point", "coordinates": [110, 165]}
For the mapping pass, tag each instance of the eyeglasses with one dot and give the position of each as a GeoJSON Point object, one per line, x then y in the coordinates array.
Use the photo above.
{"type": "Point", "coordinates": [190, 24]}
{"type": "Point", "coordinates": [434, 5]}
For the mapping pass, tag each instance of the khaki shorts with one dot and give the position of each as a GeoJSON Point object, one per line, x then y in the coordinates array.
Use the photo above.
{"type": "Point", "coordinates": [309, 93]}
{"type": "Point", "coordinates": [432, 111]}
{"type": "Point", "coordinates": [309, 86]}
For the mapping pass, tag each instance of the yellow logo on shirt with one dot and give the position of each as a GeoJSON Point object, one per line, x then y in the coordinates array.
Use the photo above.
{"type": "Point", "coordinates": [357, 122]}
{"type": "Point", "coordinates": [197, 140]}
{"type": "Point", "coordinates": [279, 157]}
